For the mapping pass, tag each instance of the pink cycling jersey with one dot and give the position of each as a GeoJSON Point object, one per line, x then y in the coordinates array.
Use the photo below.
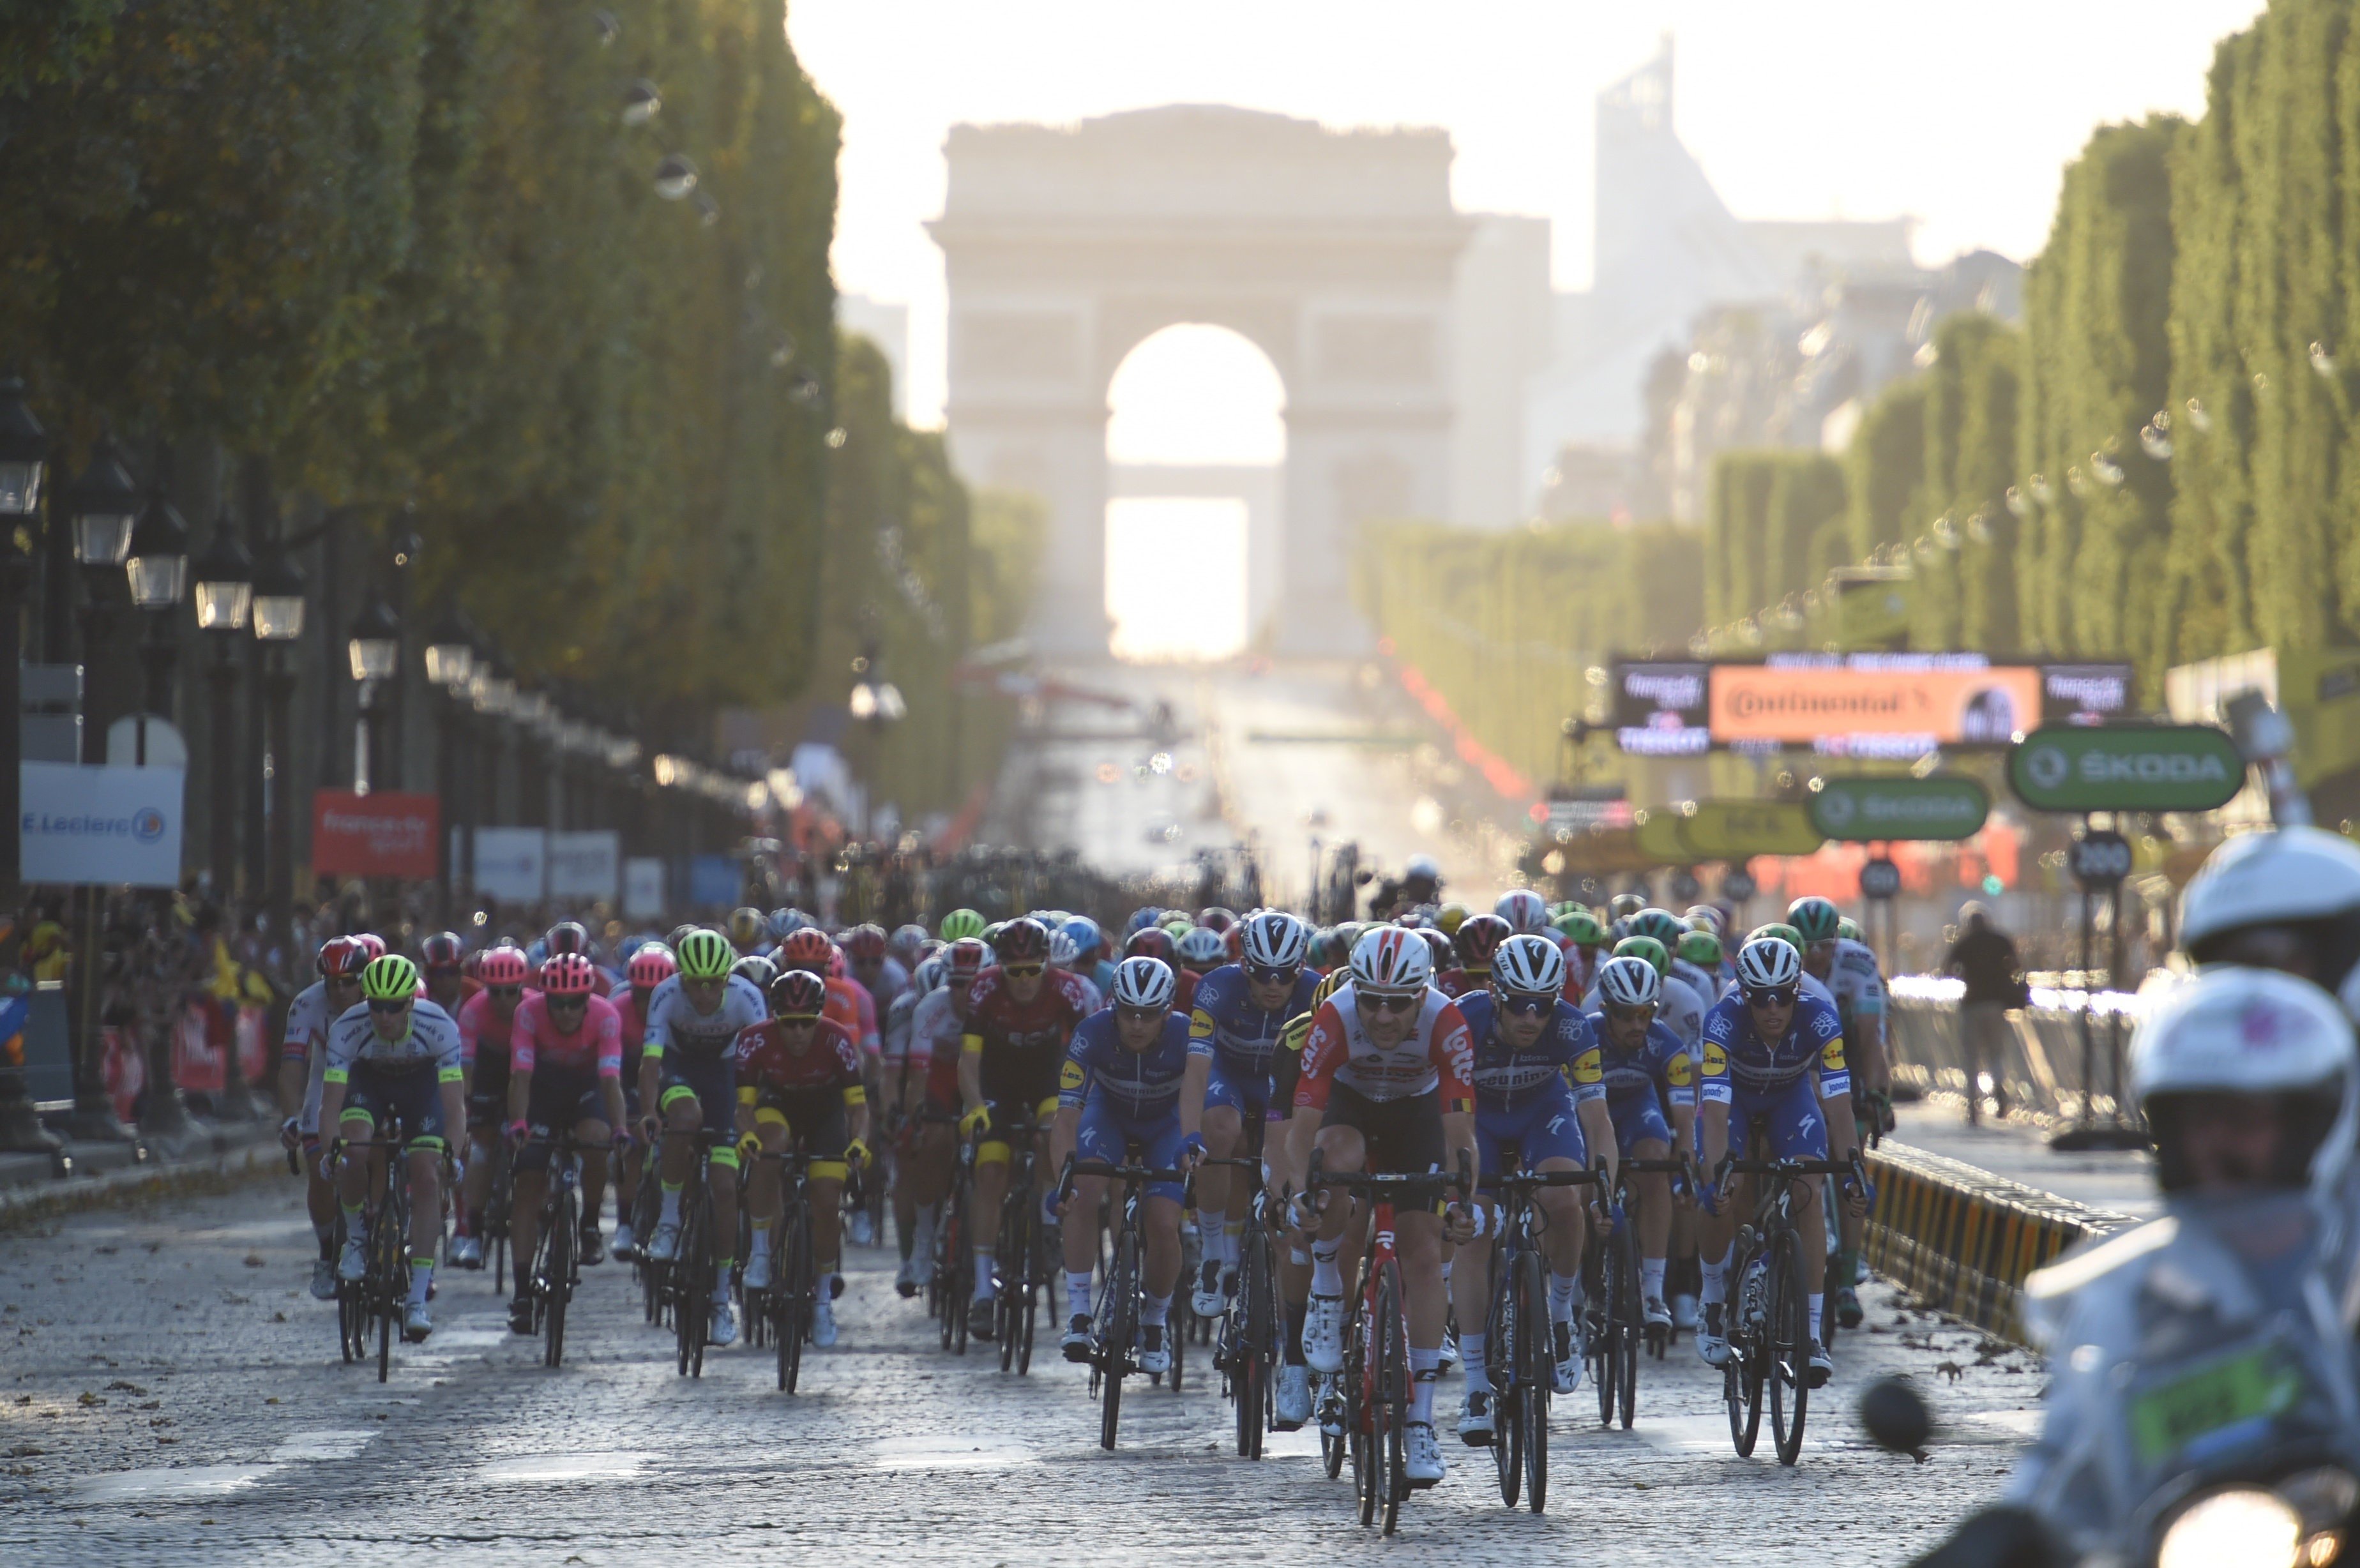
{"type": "Point", "coordinates": [480, 1034]}
{"type": "Point", "coordinates": [598, 1040]}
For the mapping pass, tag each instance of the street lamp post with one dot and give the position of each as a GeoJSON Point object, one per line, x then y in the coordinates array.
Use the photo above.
{"type": "Point", "coordinates": [23, 462]}
{"type": "Point", "coordinates": [450, 666]}
{"type": "Point", "coordinates": [224, 601]}
{"type": "Point", "coordinates": [277, 624]}
{"type": "Point", "coordinates": [158, 569]}
{"type": "Point", "coordinates": [373, 646]}
{"type": "Point", "coordinates": [878, 705]}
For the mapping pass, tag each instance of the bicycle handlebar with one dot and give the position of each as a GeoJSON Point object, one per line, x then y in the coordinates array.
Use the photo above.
{"type": "Point", "coordinates": [1126, 1173]}
{"type": "Point", "coordinates": [1531, 1181]}
{"type": "Point", "coordinates": [1791, 1167]}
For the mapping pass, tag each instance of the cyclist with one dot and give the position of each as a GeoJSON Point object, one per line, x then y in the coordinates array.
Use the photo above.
{"type": "Point", "coordinates": [1201, 950]}
{"type": "Point", "coordinates": [1778, 930]}
{"type": "Point", "coordinates": [1240, 1011]}
{"type": "Point", "coordinates": [958, 924]}
{"type": "Point", "coordinates": [1065, 957]}
{"type": "Point", "coordinates": [1540, 1103]}
{"type": "Point", "coordinates": [1384, 1087]}
{"type": "Point", "coordinates": [686, 1076]}
{"type": "Point", "coordinates": [749, 931]}
{"type": "Point", "coordinates": [565, 1071]}
{"type": "Point", "coordinates": [487, 1024]}
{"type": "Point", "coordinates": [849, 1005]}
{"type": "Point", "coordinates": [1680, 1008]}
{"type": "Point", "coordinates": [799, 1083]}
{"type": "Point", "coordinates": [1848, 969]}
{"type": "Point", "coordinates": [1090, 949]}
{"type": "Point", "coordinates": [1523, 911]}
{"type": "Point", "coordinates": [1021, 1014]}
{"type": "Point", "coordinates": [393, 1057]}
{"type": "Point", "coordinates": [1477, 938]}
{"type": "Point", "coordinates": [651, 963]}
{"type": "Point", "coordinates": [1134, 1076]}
{"type": "Point", "coordinates": [1584, 943]}
{"type": "Point", "coordinates": [442, 958]}
{"type": "Point", "coordinates": [1764, 1049]}
{"type": "Point", "coordinates": [1696, 963]}
{"type": "Point", "coordinates": [873, 968]}
{"type": "Point", "coordinates": [929, 1083]}
{"type": "Point", "coordinates": [1156, 942]}
{"type": "Point", "coordinates": [1650, 1076]}
{"type": "Point", "coordinates": [302, 1068]}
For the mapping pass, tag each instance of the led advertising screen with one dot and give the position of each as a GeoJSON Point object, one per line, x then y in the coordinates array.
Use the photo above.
{"type": "Point", "coordinates": [1660, 708]}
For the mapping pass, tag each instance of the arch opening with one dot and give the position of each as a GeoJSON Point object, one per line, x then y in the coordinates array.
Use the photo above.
{"type": "Point", "coordinates": [1195, 443]}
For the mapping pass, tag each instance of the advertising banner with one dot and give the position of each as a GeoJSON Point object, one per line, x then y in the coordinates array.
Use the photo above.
{"type": "Point", "coordinates": [643, 887]}
{"type": "Point", "coordinates": [1856, 810]}
{"type": "Point", "coordinates": [1861, 710]}
{"type": "Point", "coordinates": [99, 826]}
{"type": "Point", "coordinates": [512, 863]}
{"type": "Point", "coordinates": [2126, 768]}
{"type": "Point", "coordinates": [381, 834]}
{"type": "Point", "coordinates": [585, 865]}
{"type": "Point", "coordinates": [1739, 830]}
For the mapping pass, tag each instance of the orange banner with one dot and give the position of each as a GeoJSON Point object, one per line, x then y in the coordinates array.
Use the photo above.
{"type": "Point", "coordinates": [1800, 705]}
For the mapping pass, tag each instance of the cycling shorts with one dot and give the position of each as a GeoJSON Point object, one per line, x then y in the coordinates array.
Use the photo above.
{"type": "Point", "coordinates": [714, 1084]}
{"type": "Point", "coordinates": [411, 1098]}
{"type": "Point", "coordinates": [1638, 1116]}
{"type": "Point", "coordinates": [814, 1121]}
{"type": "Point", "coordinates": [1244, 1087]}
{"type": "Point", "coordinates": [1544, 1127]}
{"type": "Point", "coordinates": [562, 1099]}
{"type": "Point", "coordinates": [1109, 1134]}
{"type": "Point", "coordinates": [1402, 1137]}
{"type": "Point", "coordinates": [487, 1096]}
{"type": "Point", "coordinates": [1793, 1125]}
{"type": "Point", "coordinates": [1016, 1084]}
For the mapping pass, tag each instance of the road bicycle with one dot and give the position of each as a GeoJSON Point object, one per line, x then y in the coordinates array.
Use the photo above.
{"type": "Point", "coordinates": [1769, 1322]}
{"type": "Point", "coordinates": [647, 1211]}
{"type": "Point", "coordinates": [1114, 1327]}
{"type": "Point", "coordinates": [1519, 1344]}
{"type": "Point", "coordinates": [553, 1273]}
{"type": "Point", "coordinates": [1618, 1329]}
{"type": "Point", "coordinates": [951, 1282]}
{"type": "Point", "coordinates": [781, 1311]}
{"type": "Point", "coordinates": [688, 1280]}
{"type": "Point", "coordinates": [1020, 1262]}
{"type": "Point", "coordinates": [380, 1297]}
{"type": "Point", "coordinates": [1247, 1351]}
{"type": "Point", "coordinates": [1376, 1376]}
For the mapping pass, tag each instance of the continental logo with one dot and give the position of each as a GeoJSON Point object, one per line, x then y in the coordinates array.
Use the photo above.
{"type": "Point", "coordinates": [1716, 1061]}
{"type": "Point", "coordinates": [1071, 1078]}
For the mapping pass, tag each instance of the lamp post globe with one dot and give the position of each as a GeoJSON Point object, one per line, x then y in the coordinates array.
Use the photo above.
{"type": "Point", "coordinates": [104, 506]}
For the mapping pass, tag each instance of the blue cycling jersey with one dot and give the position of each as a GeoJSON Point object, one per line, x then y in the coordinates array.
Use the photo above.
{"type": "Point", "coordinates": [1735, 1057]}
{"type": "Point", "coordinates": [1141, 1084]}
{"type": "Point", "coordinates": [1240, 1033]}
{"type": "Point", "coordinates": [1661, 1066]}
{"type": "Point", "coordinates": [1507, 1079]}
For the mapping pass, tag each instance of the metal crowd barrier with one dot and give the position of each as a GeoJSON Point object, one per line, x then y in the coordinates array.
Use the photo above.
{"type": "Point", "coordinates": [2040, 1064]}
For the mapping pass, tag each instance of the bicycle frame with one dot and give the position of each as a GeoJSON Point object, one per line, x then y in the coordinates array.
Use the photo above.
{"type": "Point", "coordinates": [1769, 1340]}
{"type": "Point", "coordinates": [1519, 1352]}
{"type": "Point", "coordinates": [1115, 1324]}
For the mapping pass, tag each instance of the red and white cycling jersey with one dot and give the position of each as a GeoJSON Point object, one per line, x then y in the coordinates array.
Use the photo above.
{"type": "Point", "coordinates": [1436, 1054]}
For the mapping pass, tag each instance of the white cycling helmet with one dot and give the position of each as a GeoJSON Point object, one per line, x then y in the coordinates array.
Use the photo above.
{"type": "Point", "coordinates": [2237, 1031]}
{"type": "Point", "coordinates": [1629, 983]}
{"type": "Point", "coordinates": [927, 976]}
{"type": "Point", "coordinates": [1528, 966]}
{"type": "Point", "coordinates": [1144, 984]}
{"type": "Point", "coordinates": [1392, 961]}
{"type": "Point", "coordinates": [1768, 964]}
{"type": "Point", "coordinates": [1200, 948]}
{"type": "Point", "coordinates": [1705, 916]}
{"type": "Point", "coordinates": [2302, 878]}
{"type": "Point", "coordinates": [1523, 911]}
{"type": "Point", "coordinates": [1274, 939]}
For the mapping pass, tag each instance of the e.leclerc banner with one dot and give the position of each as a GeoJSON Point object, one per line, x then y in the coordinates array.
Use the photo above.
{"type": "Point", "coordinates": [1945, 806]}
{"type": "Point", "coordinates": [381, 834]}
{"type": "Point", "coordinates": [88, 827]}
{"type": "Point", "coordinates": [2126, 768]}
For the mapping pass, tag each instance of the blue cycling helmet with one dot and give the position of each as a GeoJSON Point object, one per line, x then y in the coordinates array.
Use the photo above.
{"type": "Point", "coordinates": [1141, 919]}
{"type": "Point", "coordinates": [1088, 941]}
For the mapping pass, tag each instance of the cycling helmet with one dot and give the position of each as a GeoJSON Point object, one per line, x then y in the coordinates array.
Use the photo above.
{"type": "Point", "coordinates": [1422, 867]}
{"type": "Point", "coordinates": [1390, 962]}
{"type": "Point", "coordinates": [1449, 918]}
{"type": "Point", "coordinates": [757, 969]}
{"type": "Point", "coordinates": [704, 954]}
{"type": "Point", "coordinates": [1141, 919]}
{"type": "Point", "coordinates": [2239, 1030]}
{"type": "Point", "coordinates": [1528, 965]}
{"type": "Point", "coordinates": [1580, 928]}
{"type": "Point", "coordinates": [1144, 984]}
{"type": "Point", "coordinates": [837, 969]}
{"type": "Point", "coordinates": [389, 978]}
{"type": "Point", "coordinates": [503, 965]}
{"type": "Point", "coordinates": [1201, 950]}
{"type": "Point", "coordinates": [806, 949]}
{"type": "Point", "coordinates": [1274, 939]}
{"type": "Point", "coordinates": [1703, 917]}
{"type": "Point", "coordinates": [747, 926]}
{"type": "Point", "coordinates": [1648, 948]}
{"type": "Point", "coordinates": [1150, 942]}
{"type": "Point", "coordinates": [1629, 983]}
{"type": "Point", "coordinates": [927, 976]}
{"type": "Point", "coordinates": [1437, 946]}
{"type": "Point", "coordinates": [441, 952]}
{"type": "Point", "coordinates": [343, 958]}
{"type": "Point", "coordinates": [566, 936]}
{"type": "Point", "coordinates": [1022, 940]}
{"type": "Point", "coordinates": [958, 924]}
{"type": "Point", "coordinates": [1478, 937]}
{"type": "Point", "coordinates": [371, 943]}
{"type": "Point", "coordinates": [795, 993]}
{"type": "Point", "coordinates": [1523, 911]}
{"type": "Point", "coordinates": [786, 921]}
{"type": "Point", "coordinates": [652, 964]}
{"type": "Point", "coordinates": [1622, 906]}
{"type": "Point", "coordinates": [1216, 918]}
{"type": "Point", "coordinates": [1768, 964]}
{"type": "Point", "coordinates": [2301, 881]}
{"type": "Point", "coordinates": [1778, 930]}
{"type": "Point", "coordinates": [1662, 924]}
{"type": "Point", "coordinates": [680, 934]}
{"type": "Point", "coordinates": [1701, 947]}
{"type": "Point", "coordinates": [1088, 941]}
{"type": "Point", "coordinates": [963, 959]}
{"type": "Point", "coordinates": [1064, 952]}
{"type": "Point", "coordinates": [568, 974]}
{"type": "Point", "coordinates": [908, 943]}
{"type": "Point", "coordinates": [865, 943]}
{"type": "Point", "coordinates": [1814, 920]}
{"type": "Point", "coordinates": [1849, 930]}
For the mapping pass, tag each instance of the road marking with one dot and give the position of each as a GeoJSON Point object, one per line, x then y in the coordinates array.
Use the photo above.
{"type": "Point", "coordinates": [154, 1485]}
{"type": "Point", "coordinates": [320, 1445]}
{"type": "Point", "coordinates": [950, 1453]}
{"type": "Point", "coordinates": [563, 1468]}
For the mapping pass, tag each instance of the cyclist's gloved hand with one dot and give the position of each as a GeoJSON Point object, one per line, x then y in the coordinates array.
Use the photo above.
{"type": "Point", "coordinates": [291, 1133]}
{"type": "Point", "coordinates": [749, 1145]}
{"type": "Point", "coordinates": [1864, 1191]}
{"type": "Point", "coordinates": [855, 1152]}
{"type": "Point", "coordinates": [1192, 1148]}
{"type": "Point", "coordinates": [1708, 1197]}
{"type": "Point", "coordinates": [977, 1120]}
{"type": "Point", "coordinates": [1881, 1103]}
{"type": "Point", "coordinates": [517, 1131]}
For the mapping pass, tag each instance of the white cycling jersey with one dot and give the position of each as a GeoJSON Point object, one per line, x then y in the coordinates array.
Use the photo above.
{"type": "Point", "coordinates": [430, 1041]}
{"type": "Point", "coordinates": [676, 1028]}
{"type": "Point", "coordinates": [1680, 1008]}
{"type": "Point", "coordinates": [305, 1041]}
{"type": "Point", "coordinates": [1859, 986]}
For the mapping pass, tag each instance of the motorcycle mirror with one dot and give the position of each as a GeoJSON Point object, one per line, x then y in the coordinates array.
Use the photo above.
{"type": "Point", "coordinates": [1896, 1416]}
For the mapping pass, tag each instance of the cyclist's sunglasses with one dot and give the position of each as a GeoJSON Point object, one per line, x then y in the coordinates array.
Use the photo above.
{"type": "Point", "coordinates": [799, 1020]}
{"type": "Point", "coordinates": [1022, 971]}
{"type": "Point", "coordinates": [1389, 1003]}
{"type": "Point", "coordinates": [388, 1004]}
{"type": "Point", "coordinates": [1780, 998]}
{"type": "Point", "coordinates": [1631, 1015]}
{"type": "Point", "coordinates": [1525, 1005]}
{"type": "Point", "coordinates": [1263, 977]}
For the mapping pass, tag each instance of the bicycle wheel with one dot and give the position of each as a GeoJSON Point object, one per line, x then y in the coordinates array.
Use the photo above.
{"type": "Point", "coordinates": [799, 1282]}
{"type": "Point", "coordinates": [1008, 1263]}
{"type": "Point", "coordinates": [388, 1268]}
{"type": "Point", "coordinates": [1118, 1322]}
{"type": "Point", "coordinates": [1539, 1366]}
{"type": "Point", "coordinates": [1630, 1330]}
{"type": "Point", "coordinates": [1740, 1382]}
{"type": "Point", "coordinates": [1334, 1445]}
{"type": "Point", "coordinates": [1502, 1364]}
{"type": "Point", "coordinates": [690, 1291]}
{"type": "Point", "coordinates": [1036, 1287]}
{"type": "Point", "coordinates": [557, 1273]}
{"type": "Point", "coordinates": [1249, 1367]}
{"type": "Point", "coordinates": [1789, 1346]}
{"type": "Point", "coordinates": [1360, 1402]}
{"type": "Point", "coordinates": [1392, 1400]}
{"type": "Point", "coordinates": [1598, 1288]}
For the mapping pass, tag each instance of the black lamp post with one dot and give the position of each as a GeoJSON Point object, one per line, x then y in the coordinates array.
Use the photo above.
{"type": "Point", "coordinates": [374, 645]}
{"type": "Point", "coordinates": [277, 624]}
{"type": "Point", "coordinates": [224, 604]}
{"type": "Point", "coordinates": [24, 463]}
{"type": "Point", "coordinates": [450, 666]}
{"type": "Point", "coordinates": [158, 569]}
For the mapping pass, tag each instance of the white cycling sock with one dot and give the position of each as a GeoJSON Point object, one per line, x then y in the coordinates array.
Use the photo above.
{"type": "Point", "coordinates": [1470, 1358]}
{"type": "Point", "coordinates": [1327, 1278]}
{"type": "Point", "coordinates": [1651, 1279]}
{"type": "Point", "coordinates": [1445, 1273]}
{"type": "Point", "coordinates": [1154, 1311]}
{"type": "Point", "coordinates": [1078, 1291]}
{"type": "Point", "coordinates": [1715, 1277]}
{"type": "Point", "coordinates": [1819, 1308]}
{"type": "Point", "coordinates": [421, 1280]}
{"type": "Point", "coordinates": [1564, 1292]}
{"type": "Point", "coordinates": [761, 1248]}
{"type": "Point", "coordinates": [985, 1287]}
{"type": "Point", "coordinates": [1424, 1366]}
{"type": "Point", "coordinates": [670, 1214]}
{"type": "Point", "coordinates": [1209, 1244]}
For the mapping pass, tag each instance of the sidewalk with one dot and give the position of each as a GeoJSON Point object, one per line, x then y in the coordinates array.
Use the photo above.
{"type": "Point", "coordinates": [2121, 1182]}
{"type": "Point", "coordinates": [100, 1174]}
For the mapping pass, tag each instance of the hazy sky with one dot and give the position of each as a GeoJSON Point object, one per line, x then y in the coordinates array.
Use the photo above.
{"type": "Point", "coordinates": [1961, 116]}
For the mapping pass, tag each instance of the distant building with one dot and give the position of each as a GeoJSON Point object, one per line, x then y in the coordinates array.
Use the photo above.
{"type": "Point", "coordinates": [886, 326]}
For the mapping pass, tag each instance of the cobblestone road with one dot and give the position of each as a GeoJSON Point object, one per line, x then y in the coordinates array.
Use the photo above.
{"type": "Point", "coordinates": [170, 1394]}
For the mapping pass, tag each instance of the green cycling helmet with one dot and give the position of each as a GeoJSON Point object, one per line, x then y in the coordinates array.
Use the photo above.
{"type": "Point", "coordinates": [960, 924]}
{"type": "Point", "coordinates": [705, 954]}
{"type": "Point", "coordinates": [1849, 928]}
{"type": "Point", "coordinates": [1648, 948]}
{"type": "Point", "coordinates": [1700, 948]}
{"type": "Point", "coordinates": [392, 978]}
{"type": "Point", "coordinates": [1580, 928]}
{"type": "Point", "coordinates": [1777, 931]}
{"type": "Point", "coordinates": [1662, 924]}
{"type": "Point", "coordinates": [1814, 920]}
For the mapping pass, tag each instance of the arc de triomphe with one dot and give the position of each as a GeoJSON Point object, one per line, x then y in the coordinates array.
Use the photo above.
{"type": "Point", "coordinates": [1332, 251]}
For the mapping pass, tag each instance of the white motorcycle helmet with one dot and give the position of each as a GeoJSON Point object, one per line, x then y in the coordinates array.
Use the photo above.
{"type": "Point", "coordinates": [2238, 1030]}
{"type": "Point", "coordinates": [2286, 898]}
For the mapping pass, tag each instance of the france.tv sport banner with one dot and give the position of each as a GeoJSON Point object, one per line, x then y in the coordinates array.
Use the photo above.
{"type": "Point", "coordinates": [1853, 710]}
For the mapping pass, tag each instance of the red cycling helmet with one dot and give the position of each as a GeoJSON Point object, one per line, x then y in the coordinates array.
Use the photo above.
{"type": "Point", "coordinates": [1151, 942]}
{"type": "Point", "coordinates": [1479, 938]}
{"type": "Point", "coordinates": [1022, 942]}
{"type": "Point", "coordinates": [1216, 919]}
{"type": "Point", "coordinates": [652, 964]}
{"type": "Point", "coordinates": [343, 958]}
{"type": "Point", "coordinates": [1233, 943]}
{"type": "Point", "coordinates": [440, 951]}
{"type": "Point", "coordinates": [806, 949]}
{"type": "Point", "coordinates": [503, 965]}
{"type": "Point", "coordinates": [865, 943]}
{"type": "Point", "coordinates": [566, 936]}
{"type": "Point", "coordinates": [965, 958]}
{"type": "Point", "coordinates": [798, 994]}
{"type": "Point", "coordinates": [569, 975]}
{"type": "Point", "coordinates": [373, 943]}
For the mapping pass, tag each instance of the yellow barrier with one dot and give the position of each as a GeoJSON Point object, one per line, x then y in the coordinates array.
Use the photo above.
{"type": "Point", "coordinates": [1961, 1239]}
